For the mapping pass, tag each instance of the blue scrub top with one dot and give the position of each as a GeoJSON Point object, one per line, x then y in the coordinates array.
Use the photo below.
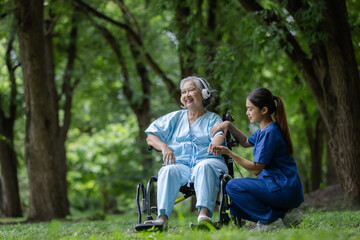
{"type": "Point", "coordinates": [189, 143]}
{"type": "Point", "coordinates": [270, 149]}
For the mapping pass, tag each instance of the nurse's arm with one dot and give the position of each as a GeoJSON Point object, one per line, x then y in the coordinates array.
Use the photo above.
{"type": "Point", "coordinates": [252, 167]}
{"type": "Point", "coordinates": [240, 136]}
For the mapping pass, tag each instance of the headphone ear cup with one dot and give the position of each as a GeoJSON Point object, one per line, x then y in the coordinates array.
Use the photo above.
{"type": "Point", "coordinates": [205, 93]}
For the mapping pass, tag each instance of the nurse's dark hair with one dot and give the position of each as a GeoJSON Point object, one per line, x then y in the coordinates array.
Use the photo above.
{"type": "Point", "coordinates": [262, 97]}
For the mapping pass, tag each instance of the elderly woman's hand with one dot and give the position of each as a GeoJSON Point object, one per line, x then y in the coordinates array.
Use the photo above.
{"type": "Point", "coordinates": [224, 126]}
{"type": "Point", "coordinates": [168, 155]}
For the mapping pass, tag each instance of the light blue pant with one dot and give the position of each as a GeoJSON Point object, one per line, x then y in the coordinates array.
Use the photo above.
{"type": "Point", "coordinates": [205, 176]}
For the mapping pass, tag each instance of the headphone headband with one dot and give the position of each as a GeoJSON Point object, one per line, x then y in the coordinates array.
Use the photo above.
{"type": "Point", "coordinates": [204, 83]}
{"type": "Point", "coordinates": [206, 91]}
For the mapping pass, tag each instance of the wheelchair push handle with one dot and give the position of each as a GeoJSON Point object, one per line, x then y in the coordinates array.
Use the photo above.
{"type": "Point", "coordinates": [228, 117]}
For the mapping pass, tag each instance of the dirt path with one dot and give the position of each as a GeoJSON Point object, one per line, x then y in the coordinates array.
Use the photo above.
{"type": "Point", "coordinates": [330, 198]}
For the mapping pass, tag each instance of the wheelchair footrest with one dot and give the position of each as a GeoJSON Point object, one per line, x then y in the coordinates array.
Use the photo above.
{"type": "Point", "coordinates": [153, 227]}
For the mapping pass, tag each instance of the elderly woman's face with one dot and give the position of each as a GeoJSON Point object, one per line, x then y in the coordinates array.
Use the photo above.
{"type": "Point", "coordinates": [191, 95]}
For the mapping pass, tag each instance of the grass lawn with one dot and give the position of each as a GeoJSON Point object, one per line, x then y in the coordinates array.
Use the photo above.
{"type": "Point", "coordinates": [317, 225]}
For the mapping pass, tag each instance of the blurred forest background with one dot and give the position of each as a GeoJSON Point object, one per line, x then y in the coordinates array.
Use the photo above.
{"type": "Point", "coordinates": [80, 80]}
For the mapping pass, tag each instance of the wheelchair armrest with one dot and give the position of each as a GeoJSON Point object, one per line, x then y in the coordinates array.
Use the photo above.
{"type": "Point", "coordinates": [150, 148]}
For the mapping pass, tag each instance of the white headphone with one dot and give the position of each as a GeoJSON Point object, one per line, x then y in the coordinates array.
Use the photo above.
{"type": "Point", "coordinates": [205, 92]}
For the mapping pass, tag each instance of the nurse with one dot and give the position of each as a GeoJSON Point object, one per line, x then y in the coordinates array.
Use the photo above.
{"type": "Point", "coordinates": [272, 199]}
{"type": "Point", "coordinates": [184, 139]}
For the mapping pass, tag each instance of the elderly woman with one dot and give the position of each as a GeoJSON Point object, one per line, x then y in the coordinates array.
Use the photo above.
{"type": "Point", "coordinates": [184, 139]}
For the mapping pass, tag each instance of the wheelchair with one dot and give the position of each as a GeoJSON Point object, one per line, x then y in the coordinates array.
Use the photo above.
{"type": "Point", "coordinates": [224, 204]}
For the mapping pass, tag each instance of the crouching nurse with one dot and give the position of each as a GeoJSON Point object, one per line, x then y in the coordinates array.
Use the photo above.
{"type": "Point", "coordinates": [184, 139]}
{"type": "Point", "coordinates": [272, 199]}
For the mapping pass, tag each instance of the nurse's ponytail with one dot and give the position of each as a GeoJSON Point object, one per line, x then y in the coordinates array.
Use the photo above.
{"type": "Point", "coordinates": [262, 97]}
{"type": "Point", "coordinates": [280, 118]}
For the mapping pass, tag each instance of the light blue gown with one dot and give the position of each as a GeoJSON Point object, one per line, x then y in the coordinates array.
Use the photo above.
{"type": "Point", "coordinates": [193, 162]}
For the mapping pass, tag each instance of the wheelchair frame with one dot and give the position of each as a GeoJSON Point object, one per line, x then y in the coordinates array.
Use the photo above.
{"type": "Point", "coordinates": [187, 192]}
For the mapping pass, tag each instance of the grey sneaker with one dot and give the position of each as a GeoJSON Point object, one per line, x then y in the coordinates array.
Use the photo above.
{"type": "Point", "coordinates": [277, 224]}
{"type": "Point", "coordinates": [293, 218]}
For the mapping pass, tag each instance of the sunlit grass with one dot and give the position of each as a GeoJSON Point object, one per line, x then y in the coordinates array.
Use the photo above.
{"type": "Point", "coordinates": [317, 225]}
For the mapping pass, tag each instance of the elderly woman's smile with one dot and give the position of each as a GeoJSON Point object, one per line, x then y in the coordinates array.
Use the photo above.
{"type": "Point", "coordinates": [188, 100]}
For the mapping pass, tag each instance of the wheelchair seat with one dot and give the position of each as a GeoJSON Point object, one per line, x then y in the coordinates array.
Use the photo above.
{"type": "Point", "coordinates": [189, 191]}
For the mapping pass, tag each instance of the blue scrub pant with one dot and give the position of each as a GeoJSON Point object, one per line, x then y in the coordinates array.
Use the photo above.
{"type": "Point", "coordinates": [205, 176]}
{"type": "Point", "coordinates": [251, 200]}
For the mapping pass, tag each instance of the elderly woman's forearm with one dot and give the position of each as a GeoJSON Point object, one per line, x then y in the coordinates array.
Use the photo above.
{"type": "Point", "coordinates": [218, 140]}
{"type": "Point", "coordinates": [155, 142]}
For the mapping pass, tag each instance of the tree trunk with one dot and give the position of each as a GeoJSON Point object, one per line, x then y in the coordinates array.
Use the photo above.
{"type": "Point", "coordinates": [331, 177]}
{"type": "Point", "coordinates": [317, 150]}
{"type": "Point", "coordinates": [60, 151]}
{"type": "Point", "coordinates": [339, 99]}
{"type": "Point", "coordinates": [213, 37]}
{"type": "Point", "coordinates": [187, 55]}
{"type": "Point", "coordinates": [316, 145]}
{"type": "Point", "coordinates": [10, 198]}
{"type": "Point", "coordinates": [9, 182]}
{"type": "Point", "coordinates": [46, 198]}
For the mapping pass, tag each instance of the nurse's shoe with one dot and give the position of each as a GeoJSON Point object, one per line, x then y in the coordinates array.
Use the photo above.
{"type": "Point", "coordinates": [277, 224]}
{"type": "Point", "coordinates": [293, 218]}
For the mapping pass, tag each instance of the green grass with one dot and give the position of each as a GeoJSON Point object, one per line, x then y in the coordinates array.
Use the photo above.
{"type": "Point", "coordinates": [317, 225]}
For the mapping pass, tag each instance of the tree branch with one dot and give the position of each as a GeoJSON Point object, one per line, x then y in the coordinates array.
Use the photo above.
{"type": "Point", "coordinates": [295, 52]}
{"type": "Point", "coordinates": [67, 87]}
{"type": "Point", "coordinates": [10, 11]}
{"type": "Point", "coordinates": [11, 70]}
{"type": "Point", "coordinates": [116, 48]}
{"type": "Point", "coordinates": [127, 28]}
{"type": "Point", "coordinates": [140, 67]}
{"type": "Point", "coordinates": [127, 12]}
{"type": "Point", "coordinates": [168, 83]}
{"type": "Point", "coordinates": [308, 129]}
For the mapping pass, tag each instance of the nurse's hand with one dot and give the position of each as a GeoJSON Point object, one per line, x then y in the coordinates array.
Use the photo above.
{"type": "Point", "coordinates": [168, 156]}
{"type": "Point", "coordinates": [224, 126]}
{"type": "Point", "coordinates": [219, 150]}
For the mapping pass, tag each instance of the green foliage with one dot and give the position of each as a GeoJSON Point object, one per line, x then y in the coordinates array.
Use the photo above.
{"type": "Point", "coordinates": [103, 166]}
{"type": "Point", "coordinates": [320, 226]}
{"type": "Point", "coordinates": [353, 7]}
{"type": "Point", "coordinates": [6, 31]}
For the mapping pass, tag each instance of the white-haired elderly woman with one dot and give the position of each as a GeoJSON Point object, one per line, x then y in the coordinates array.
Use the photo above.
{"type": "Point", "coordinates": [184, 138]}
